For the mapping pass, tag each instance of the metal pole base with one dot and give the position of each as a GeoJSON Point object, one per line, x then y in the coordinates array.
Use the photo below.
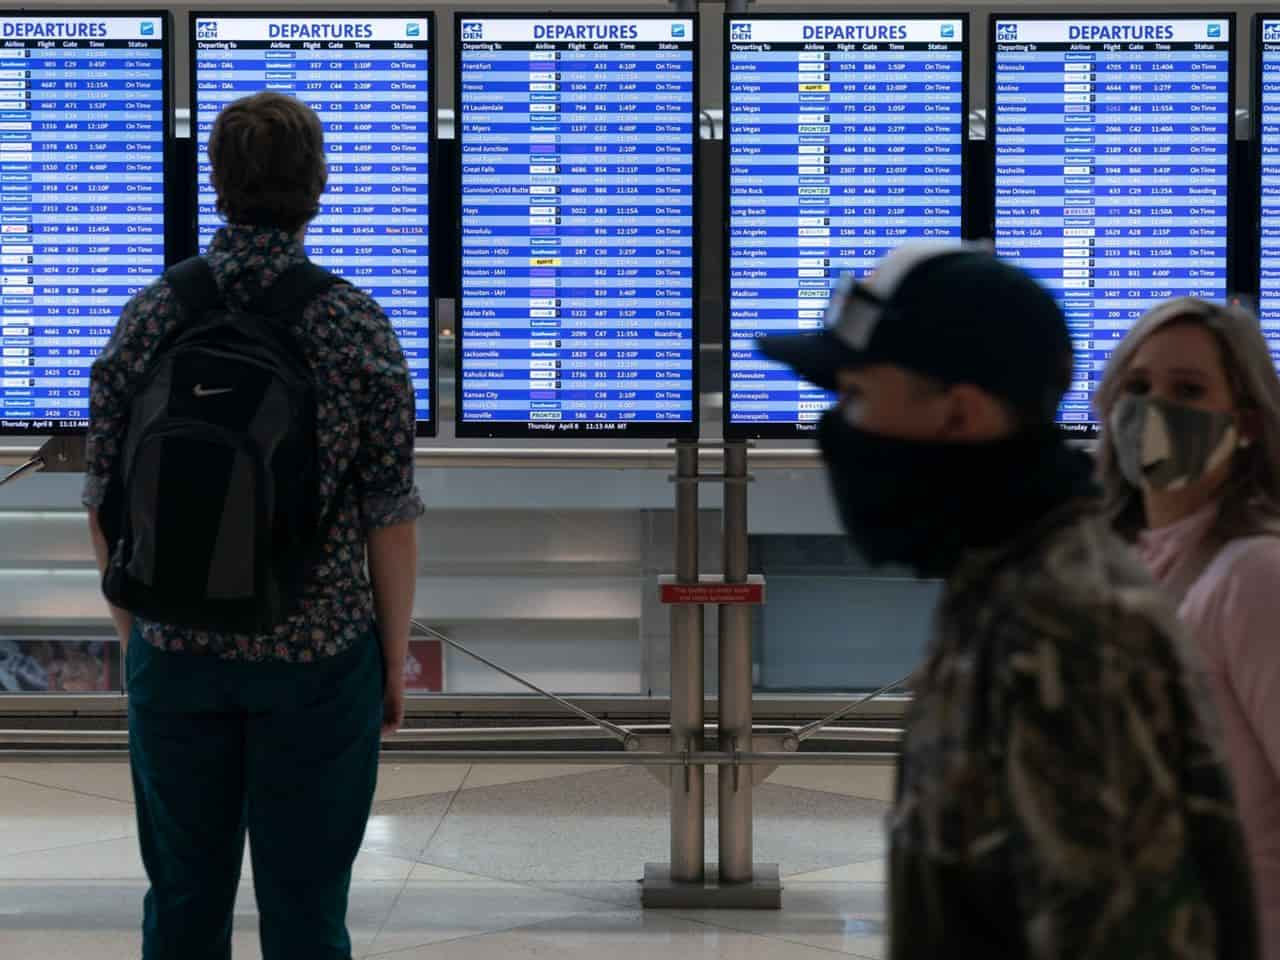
{"type": "Point", "coordinates": [762, 892]}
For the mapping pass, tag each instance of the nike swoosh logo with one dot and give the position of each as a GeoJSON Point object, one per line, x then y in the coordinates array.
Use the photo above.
{"type": "Point", "coordinates": [201, 391]}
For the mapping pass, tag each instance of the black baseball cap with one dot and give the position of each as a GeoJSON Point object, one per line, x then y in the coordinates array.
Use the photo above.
{"type": "Point", "coordinates": [950, 311]}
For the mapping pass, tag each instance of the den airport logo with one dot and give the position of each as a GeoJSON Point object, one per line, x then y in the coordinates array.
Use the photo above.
{"type": "Point", "coordinates": [207, 30]}
{"type": "Point", "coordinates": [472, 30]}
{"type": "Point", "coordinates": [740, 31]}
{"type": "Point", "coordinates": [1007, 32]}
{"type": "Point", "coordinates": [1271, 32]}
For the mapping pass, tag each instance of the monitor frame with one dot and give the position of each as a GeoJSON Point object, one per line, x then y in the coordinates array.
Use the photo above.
{"type": "Point", "coordinates": [1090, 430]}
{"type": "Point", "coordinates": [796, 430]}
{"type": "Point", "coordinates": [169, 174]}
{"type": "Point", "coordinates": [636, 430]}
{"type": "Point", "coordinates": [1260, 18]}
{"type": "Point", "coordinates": [424, 428]}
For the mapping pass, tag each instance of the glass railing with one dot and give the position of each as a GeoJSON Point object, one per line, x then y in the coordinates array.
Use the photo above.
{"type": "Point", "coordinates": [549, 570]}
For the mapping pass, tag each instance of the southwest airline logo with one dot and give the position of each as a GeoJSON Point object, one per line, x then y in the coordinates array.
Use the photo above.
{"type": "Point", "coordinates": [741, 31]}
{"type": "Point", "coordinates": [412, 30]}
{"type": "Point", "coordinates": [948, 31]}
{"type": "Point", "coordinates": [677, 30]}
{"type": "Point", "coordinates": [472, 30]}
{"type": "Point", "coordinates": [148, 29]}
{"type": "Point", "coordinates": [1215, 31]}
{"type": "Point", "coordinates": [1007, 31]}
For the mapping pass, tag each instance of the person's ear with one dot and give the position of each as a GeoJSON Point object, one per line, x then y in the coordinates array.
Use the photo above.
{"type": "Point", "coordinates": [973, 415]}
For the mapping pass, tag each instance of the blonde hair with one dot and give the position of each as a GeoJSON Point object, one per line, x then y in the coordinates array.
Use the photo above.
{"type": "Point", "coordinates": [1250, 501]}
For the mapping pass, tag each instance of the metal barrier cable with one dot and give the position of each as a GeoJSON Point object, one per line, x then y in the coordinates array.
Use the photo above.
{"type": "Point", "coordinates": [625, 737]}
{"type": "Point", "coordinates": [807, 731]}
{"type": "Point", "coordinates": [34, 465]}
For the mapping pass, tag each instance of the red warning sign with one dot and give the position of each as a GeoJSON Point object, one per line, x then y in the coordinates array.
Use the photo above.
{"type": "Point", "coordinates": [715, 594]}
{"type": "Point", "coordinates": [424, 666]}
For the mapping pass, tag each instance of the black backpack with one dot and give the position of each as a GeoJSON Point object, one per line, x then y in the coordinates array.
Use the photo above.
{"type": "Point", "coordinates": [216, 520]}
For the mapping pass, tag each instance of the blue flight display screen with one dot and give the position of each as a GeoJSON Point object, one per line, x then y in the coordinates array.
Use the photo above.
{"type": "Point", "coordinates": [82, 146]}
{"type": "Point", "coordinates": [1268, 106]}
{"type": "Point", "coordinates": [578, 296]}
{"type": "Point", "coordinates": [369, 80]}
{"type": "Point", "coordinates": [1112, 157]}
{"type": "Point", "coordinates": [846, 139]}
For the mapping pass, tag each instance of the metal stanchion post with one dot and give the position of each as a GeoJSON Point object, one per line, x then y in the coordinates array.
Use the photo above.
{"type": "Point", "coordinates": [736, 837]}
{"type": "Point", "coordinates": [682, 882]}
{"type": "Point", "coordinates": [757, 885]}
{"type": "Point", "coordinates": [738, 883]}
{"type": "Point", "coordinates": [687, 683]}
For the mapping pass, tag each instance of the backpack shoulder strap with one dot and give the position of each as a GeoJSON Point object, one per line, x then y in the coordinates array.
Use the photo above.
{"type": "Point", "coordinates": [193, 284]}
{"type": "Point", "coordinates": [293, 290]}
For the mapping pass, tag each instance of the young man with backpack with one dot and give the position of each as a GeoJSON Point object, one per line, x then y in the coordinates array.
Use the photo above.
{"type": "Point", "coordinates": [252, 504]}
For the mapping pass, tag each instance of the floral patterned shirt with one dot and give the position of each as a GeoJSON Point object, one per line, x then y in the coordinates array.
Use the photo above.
{"type": "Point", "coordinates": [364, 414]}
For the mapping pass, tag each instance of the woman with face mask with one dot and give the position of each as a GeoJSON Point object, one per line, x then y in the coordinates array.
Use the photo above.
{"type": "Point", "coordinates": [1190, 463]}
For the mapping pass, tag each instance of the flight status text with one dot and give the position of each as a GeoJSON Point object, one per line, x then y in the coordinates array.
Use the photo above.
{"type": "Point", "coordinates": [370, 83]}
{"type": "Point", "coordinates": [577, 175]}
{"type": "Point", "coordinates": [1269, 150]}
{"type": "Point", "coordinates": [846, 138]}
{"type": "Point", "coordinates": [81, 201]}
{"type": "Point", "coordinates": [1112, 147]}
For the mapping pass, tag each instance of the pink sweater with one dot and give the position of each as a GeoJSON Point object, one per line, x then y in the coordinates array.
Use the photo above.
{"type": "Point", "coordinates": [1233, 611]}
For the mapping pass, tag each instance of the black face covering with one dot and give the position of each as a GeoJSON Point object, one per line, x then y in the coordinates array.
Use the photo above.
{"type": "Point", "coordinates": [923, 504]}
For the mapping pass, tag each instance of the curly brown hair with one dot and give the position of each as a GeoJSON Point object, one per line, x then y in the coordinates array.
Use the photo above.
{"type": "Point", "coordinates": [267, 153]}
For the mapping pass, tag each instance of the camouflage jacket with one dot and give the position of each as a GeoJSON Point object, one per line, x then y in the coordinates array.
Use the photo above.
{"type": "Point", "coordinates": [1060, 796]}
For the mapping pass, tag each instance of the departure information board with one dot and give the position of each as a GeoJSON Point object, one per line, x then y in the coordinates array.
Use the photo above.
{"type": "Point", "coordinates": [846, 139]}
{"type": "Point", "coordinates": [578, 291]}
{"type": "Point", "coordinates": [368, 77]}
{"type": "Point", "coordinates": [83, 123]}
{"type": "Point", "coordinates": [1267, 138]}
{"type": "Point", "coordinates": [1112, 169]}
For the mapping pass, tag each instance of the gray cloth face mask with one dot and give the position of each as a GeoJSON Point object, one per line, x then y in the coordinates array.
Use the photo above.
{"type": "Point", "coordinates": [1169, 446]}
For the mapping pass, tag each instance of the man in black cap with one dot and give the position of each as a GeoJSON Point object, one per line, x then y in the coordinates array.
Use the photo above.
{"type": "Point", "coordinates": [1059, 795]}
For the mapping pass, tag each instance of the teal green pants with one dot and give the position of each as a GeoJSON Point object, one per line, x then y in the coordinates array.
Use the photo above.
{"type": "Point", "coordinates": [287, 753]}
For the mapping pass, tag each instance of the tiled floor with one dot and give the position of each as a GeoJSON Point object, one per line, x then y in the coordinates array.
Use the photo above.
{"type": "Point", "coordinates": [463, 863]}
